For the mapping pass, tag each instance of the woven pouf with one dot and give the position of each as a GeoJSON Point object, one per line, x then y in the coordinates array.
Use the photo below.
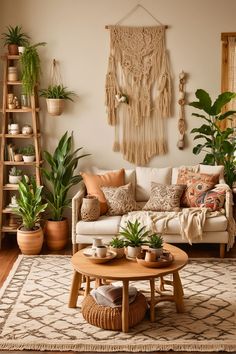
{"type": "Point", "coordinates": [110, 317]}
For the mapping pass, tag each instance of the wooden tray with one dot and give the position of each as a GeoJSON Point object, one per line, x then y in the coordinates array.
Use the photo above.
{"type": "Point", "coordinates": [164, 262]}
{"type": "Point", "coordinates": [94, 259]}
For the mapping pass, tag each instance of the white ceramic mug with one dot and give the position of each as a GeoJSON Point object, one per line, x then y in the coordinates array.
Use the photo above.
{"type": "Point", "coordinates": [101, 251]}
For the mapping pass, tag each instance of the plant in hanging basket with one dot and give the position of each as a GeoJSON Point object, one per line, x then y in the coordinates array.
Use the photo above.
{"type": "Point", "coordinates": [30, 68]}
{"type": "Point", "coordinates": [13, 38]}
{"type": "Point", "coordinates": [55, 97]}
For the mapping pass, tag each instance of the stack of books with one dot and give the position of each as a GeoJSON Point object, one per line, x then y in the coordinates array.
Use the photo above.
{"type": "Point", "coordinates": [110, 295]}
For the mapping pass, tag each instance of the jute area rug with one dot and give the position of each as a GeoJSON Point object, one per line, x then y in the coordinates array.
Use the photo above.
{"type": "Point", "coordinates": [34, 313]}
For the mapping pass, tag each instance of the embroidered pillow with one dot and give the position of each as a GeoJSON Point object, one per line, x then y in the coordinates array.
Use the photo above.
{"type": "Point", "coordinates": [196, 183]}
{"type": "Point", "coordinates": [120, 200]}
{"type": "Point", "coordinates": [213, 199]}
{"type": "Point", "coordinates": [164, 197]}
{"type": "Point", "coordinates": [94, 183]}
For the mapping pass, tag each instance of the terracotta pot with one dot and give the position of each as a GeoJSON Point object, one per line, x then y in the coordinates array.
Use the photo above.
{"type": "Point", "coordinates": [18, 157]}
{"type": "Point", "coordinates": [55, 106]}
{"type": "Point", "coordinates": [57, 234]}
{"type": "Point", "coordinates": [30, 242]}
{"type": "Point", "coordinates": [119, 251]}
{"type": "Point", "coordinates": [13, 49]}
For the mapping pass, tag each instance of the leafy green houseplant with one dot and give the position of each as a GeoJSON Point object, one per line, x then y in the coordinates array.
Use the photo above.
{"type": "Point", "coordinates": [55, 97]}
{"type": "Point", "coordinates": [15, 37]}
{"type": "Point", "coordinates": [29, 208]}
{"type": "Point", "coordinates": [217, 144]}
{"type": "Point", "coordinates": [117, 245]}
{"type": "Point", "coordinates": [59, 176]}
{"type": "Point", "coordinates": [30, 68]}
{"type": "Point", "coordinates": [134, 236]}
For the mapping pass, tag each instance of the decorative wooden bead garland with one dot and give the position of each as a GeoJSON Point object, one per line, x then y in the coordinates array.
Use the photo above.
{"type": "Point", "coordinates": [181, 102]}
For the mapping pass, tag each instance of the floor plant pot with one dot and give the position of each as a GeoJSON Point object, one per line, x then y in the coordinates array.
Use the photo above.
{"type": "Point", "coordinates": [55, 106]}
{"type": "Point", "coordinates": [13, 49]}
{"type": "Point", "coordinates": [30, 242]}
{"type": "Point", "coordinates": [57, 234]}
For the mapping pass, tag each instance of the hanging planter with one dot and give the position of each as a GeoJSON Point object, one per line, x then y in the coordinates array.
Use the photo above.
{"type": "Point", "coordinates": [56, 93]}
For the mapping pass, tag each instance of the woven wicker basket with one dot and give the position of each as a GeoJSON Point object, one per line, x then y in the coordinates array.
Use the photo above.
{"type": "Point", "coordinates": [110, 317]}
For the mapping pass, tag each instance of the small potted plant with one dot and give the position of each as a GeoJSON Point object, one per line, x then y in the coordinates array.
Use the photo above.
{"type": "Point", "coordinates": [29, 207]}
{"type": "Point", "coordinates": [155, 242]}
{"type": "Point", "coordinates": [15, 175]}
{"type": "Point", "coordinates": [17, 155]}
{"type": "Point", "coordinates": [30, 68]}
{"type": "Point", "coordinates": [134, 236]}
{"type": "Point", "coordinates": [117, 245]}
{"type": "Point", "coordinates": [15, 38]}
{"type": "Point", "coordinates": [56, 95]}
{"type": "Point", "coordinates": [28, 153]}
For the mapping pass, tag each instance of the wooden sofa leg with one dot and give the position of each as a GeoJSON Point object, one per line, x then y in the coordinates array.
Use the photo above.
{"type": "Point", "coordinates": [222, 250]}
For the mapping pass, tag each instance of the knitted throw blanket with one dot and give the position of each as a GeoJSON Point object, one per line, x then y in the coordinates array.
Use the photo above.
{"type": "Point", "coordinates": [191, 221]}
{"type": "Point", "coordinates": [138, 75]}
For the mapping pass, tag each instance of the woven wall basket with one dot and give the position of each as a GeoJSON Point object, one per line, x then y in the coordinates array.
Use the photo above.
{"type": "Point", "coordinates": [90, 209]}
{"type": "Point", "coordinates": [110, 317]}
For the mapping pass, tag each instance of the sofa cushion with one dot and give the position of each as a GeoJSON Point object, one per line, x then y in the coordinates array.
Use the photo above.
{"type": "Point", "coordinates": [107, 225]}
{"type": "Point", "coordinates": [196, 183]}
{"type": "Point", "coordinates": [213, 170]}
{"type": "Point", "coordinates": [176, 170]}
{"type": "Point", "coordinates": [94, 183]}
{"type": "Point", "coordinates": [120, 200]}
{"type": "Point", "coordinates": [164, 197]}
{"type": "Point", "coordinates": [130, 175]}
{"type": "Point", "coordinates": [146, 175]}
{"type": "Point", "coordinates": [213, 199]}
{"type": "Point", "coordinates": [214, 224]}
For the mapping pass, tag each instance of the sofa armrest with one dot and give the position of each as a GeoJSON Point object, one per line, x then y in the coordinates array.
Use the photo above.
{"type": "Point", "coordinates": [76, 205]}
{"type": "Point", "coordinates": [231, 228]}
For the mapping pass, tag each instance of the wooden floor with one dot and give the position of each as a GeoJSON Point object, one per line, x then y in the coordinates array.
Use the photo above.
{"type": "Point", "coordinates": [10, 252]}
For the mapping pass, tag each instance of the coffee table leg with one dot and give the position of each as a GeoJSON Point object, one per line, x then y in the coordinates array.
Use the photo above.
{"type": "Point", "coordinates": [178, 292]}
{"type": "Point", "coordinates": [125, 306]}
{"type": "Point", "coordinates": [152, 302]}
{"type": "Point", "coordinates": [87, 286]}
{"type": "Point", "coordinates": [75, 286]}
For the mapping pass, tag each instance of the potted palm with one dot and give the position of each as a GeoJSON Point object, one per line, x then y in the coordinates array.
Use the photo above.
{"type": "Point", "coordinates": [56, 95]}
{"type": "Point", "coordinates": [134, 236]}
{"type": "Point", "coordinates": [218, 144]}
{"type": "Point", "coordinates": [59, 177]}
{"type": "Point", "coordinates": [28, 153]}
{"type": "Point", "coordinates": [29, 207]}
{"type": "Point", "coordinates": [13, 38]}
{"type": "Point", "coordinates": [30, 68]}
{"type": "Point", "coordinates": [117, 245]}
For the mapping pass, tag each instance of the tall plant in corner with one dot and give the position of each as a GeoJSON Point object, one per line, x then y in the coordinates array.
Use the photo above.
{"type": "Point", "coordinates": [218, 144]}
{"type": "Point", "coordinates": [59, 176]}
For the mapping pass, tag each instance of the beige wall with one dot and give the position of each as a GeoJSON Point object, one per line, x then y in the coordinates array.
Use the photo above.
{"type": "Point", "coordinates": [75, 35]}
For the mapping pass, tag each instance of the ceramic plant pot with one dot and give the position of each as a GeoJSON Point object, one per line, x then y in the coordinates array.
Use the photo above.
{"type": "Point", "coordinates": [133, 252]}
{"type": "Point", "coordinates": [14, 179]}
{"type": "Point", "coordinates": [119, 251]}
{"type": "Point", "coordinates": [57, 234]}
{"type": "Point", "coordinates": [13, 49]}
{"type": "Point", "coordinates": [28, 158]}
{"type": "Point", "coordinates": [30, 242]}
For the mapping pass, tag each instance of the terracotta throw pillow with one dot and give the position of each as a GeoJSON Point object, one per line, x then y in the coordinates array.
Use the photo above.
{"type": "Point", "coordinates": [212, 199]}
{"type": "Point", "coordinates": [164, 197]}
{"type": "Point", "coordinates": [94, 183]}
{"type": "Point", "coordinates": [196, 183]}
{"type": "Point", "coordinates": [120, 200]}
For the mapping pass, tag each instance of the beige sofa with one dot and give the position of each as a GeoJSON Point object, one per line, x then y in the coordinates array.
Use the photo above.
{"type": "Point", "coordinates": [219, 229]}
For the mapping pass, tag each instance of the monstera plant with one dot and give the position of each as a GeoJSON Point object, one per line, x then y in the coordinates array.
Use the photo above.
{"type": "Point", "coordinates": [218, 144]}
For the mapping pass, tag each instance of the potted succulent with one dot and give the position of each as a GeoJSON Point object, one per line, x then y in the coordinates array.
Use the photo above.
{"type": "Point", "coordinates": [15, 38]}
{"type": "Point", "coordinates": [155, 242]}
{"type": "Point", "coordinates": [15, 175]}
{"type": "Point", "coordinates": [218, 144]}
{"type": "Point", "coordinates": [55, 97]}
{"type": "Point", "coordinates": [117, 245]}
{"type": "Point", "coordinates": [29, 207]}
{"type": "Point", "coordinates": [28, 153]}
{"type": "Point", "coordinates": [59, 177]}
{"type": "Point", "coordinates": [30, 68]}
{"type": "Point", "coordinates": [134, 236]}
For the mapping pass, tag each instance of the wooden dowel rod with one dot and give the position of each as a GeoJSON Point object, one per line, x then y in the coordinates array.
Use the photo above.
{"type": "Point", "coordinates": [108, 26]}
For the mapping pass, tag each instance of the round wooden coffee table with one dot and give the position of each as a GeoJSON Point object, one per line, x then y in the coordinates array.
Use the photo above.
{"type": "Point", "coordinates": [125, 271]}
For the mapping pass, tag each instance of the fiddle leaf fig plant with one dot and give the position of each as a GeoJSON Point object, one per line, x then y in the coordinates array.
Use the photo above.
{"type": "Point", "coordinates": [218, 144]}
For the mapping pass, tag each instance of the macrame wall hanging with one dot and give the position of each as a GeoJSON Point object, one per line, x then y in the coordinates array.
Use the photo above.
{"type": "Point", "coordinates": [138, 90]}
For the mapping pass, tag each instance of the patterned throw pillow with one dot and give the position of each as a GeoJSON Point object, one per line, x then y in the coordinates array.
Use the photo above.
{"type": "Point", "coordinates": [120, 200]}
{"type": "Point", "coordinates": [196, 183]}
{"type": "Point", "coordinates": [213, 199]}
{"type": "Point", "coordinates": [164, 197]}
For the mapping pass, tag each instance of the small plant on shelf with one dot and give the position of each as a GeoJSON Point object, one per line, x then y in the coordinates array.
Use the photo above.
{"type": "Point", "coordinates": [15, 175]}
{"type": "Point", "coordinates": [28, 150]}
{"type": "Point", "coordinates": [30, 68]}
{"type": "Point", "coordinates": [15, 37]}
